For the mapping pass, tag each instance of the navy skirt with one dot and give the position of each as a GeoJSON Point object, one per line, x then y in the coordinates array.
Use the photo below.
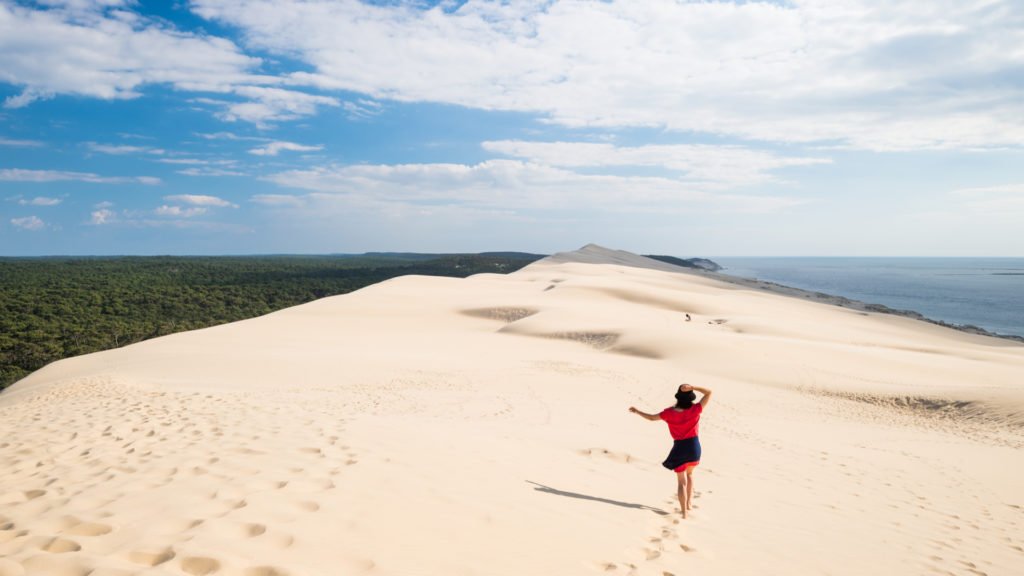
{"type": "Point", "coordinates": [683, 452]}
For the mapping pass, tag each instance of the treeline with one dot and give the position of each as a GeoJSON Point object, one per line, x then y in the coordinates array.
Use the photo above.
{"type": "Point", "coordinates": [54, 308]}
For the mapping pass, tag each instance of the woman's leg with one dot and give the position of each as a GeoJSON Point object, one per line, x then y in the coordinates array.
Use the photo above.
{"type": "Point", "coordinates": [689, 486]}
{"type": "Point", "coordinates": [682, 491]}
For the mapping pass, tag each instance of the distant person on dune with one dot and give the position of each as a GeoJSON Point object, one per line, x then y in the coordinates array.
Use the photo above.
{"type": "Point", "coordinates": [682, 422]}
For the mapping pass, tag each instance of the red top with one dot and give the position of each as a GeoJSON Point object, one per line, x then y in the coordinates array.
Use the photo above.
{"type": "Point", "coordinates": [682, 424]}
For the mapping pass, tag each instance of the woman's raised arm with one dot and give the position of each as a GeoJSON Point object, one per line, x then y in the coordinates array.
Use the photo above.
{"type": "Point", "coordinates": [706, 395]}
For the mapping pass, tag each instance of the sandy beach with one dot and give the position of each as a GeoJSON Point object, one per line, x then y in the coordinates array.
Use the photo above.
{"type": "Point", "coordinates": [479, 426]}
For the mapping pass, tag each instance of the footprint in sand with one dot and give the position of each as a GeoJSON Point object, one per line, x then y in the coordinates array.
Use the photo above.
{"type": "Point", "coordinates": [199, 565]}
{"type": "Point", "coordinates": [19, 497]}
{"type": "Point", "coordinates": [60, 545]}
{"type": "Point", "coordinates": [253, 530]}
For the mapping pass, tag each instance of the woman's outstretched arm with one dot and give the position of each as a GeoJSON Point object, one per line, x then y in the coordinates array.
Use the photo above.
{"type": "Point", "coordinates": [645, 414]}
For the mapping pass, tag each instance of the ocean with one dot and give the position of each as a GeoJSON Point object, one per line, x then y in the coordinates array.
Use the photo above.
{"type": "Point", "coordinates": [983, 292]}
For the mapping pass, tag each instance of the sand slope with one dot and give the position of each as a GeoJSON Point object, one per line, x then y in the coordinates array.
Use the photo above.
{"type": "Point", "coordinates": [479, 426]}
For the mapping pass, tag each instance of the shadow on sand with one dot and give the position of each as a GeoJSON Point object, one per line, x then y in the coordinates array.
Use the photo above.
{"type": "Point", "coordinates": [550, 490]}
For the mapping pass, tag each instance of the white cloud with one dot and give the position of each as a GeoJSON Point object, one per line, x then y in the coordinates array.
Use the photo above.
{"type": "Point", "coordinates": [265, 105]}
{"type": "Point", "coordinates": [509, 185]}
{"type": "Point", "coordinates": [112, 53]}
{"type": "Point", "coordinates": [362, 109]}
{"type": "Point", "coordinates": [28, 223]}
{"type": "Point", "coordinates": [279, 200]}
{"type": "Point", "coordinates": [119, 149]}
{"type": "Point", "coordinates": [207, 171]}
{"type": "Point", "coordinates": [230, 136]}
{"type": "Point", "coordinates": [197, 161]}
{"type": "Point", "coordinates": [998, 200]}
{"type": "Point", "coordinates": [40, 201]}
{"type": "Point", "coordinates": [21, 175]}
{"type": "Point", "coordinates": [186, 224]}
{"type": "Point", "coordinates": [108, 55]}
{"type": "Point", "coordinates": [443, 205]}
{"type": "Point", "coordinates": [20, 143]}
{"type": "Point", "coordinates": [212, 168]}
{"type": "Point", "coordinates": [85, 5]}
{"type": "Point", "coordinates": [169, 217]}
{"type": "Point", "coordinates": [715, 165]}
{"type": "Point", "coordinates": [184, 161]}
{"type": "Point", "coordinates": [273, 148]}
{"type": "Point", "coordinates": [179, 212]}
{"type": "Point", "coordinates": [103, 216]}
{"type": "Point", "coordinates": [871, 74]}
{"type": "Point", "coordinates": [200, 200]}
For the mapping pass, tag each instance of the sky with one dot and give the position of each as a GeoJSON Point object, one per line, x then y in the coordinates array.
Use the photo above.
{"type": "Point", "coordinates": [712, 128]}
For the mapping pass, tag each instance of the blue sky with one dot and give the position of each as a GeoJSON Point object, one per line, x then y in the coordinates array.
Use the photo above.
{"type": "Point", "coordinates": [811, 127]}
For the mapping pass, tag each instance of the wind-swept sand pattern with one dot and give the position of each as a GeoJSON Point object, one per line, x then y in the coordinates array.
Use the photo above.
{"type": "Point", "coordinates": [479, 426]}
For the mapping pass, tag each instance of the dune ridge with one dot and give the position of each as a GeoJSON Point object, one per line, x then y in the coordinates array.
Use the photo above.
{"type": "Point", "coordinates": [431, 425]}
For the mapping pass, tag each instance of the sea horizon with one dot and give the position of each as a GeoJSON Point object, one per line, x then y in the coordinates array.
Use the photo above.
{"type": "Point", "coordinates": [959, 290]}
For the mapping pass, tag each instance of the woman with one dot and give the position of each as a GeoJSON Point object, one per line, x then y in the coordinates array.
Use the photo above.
{"type": "Point", "coordinates": [682, 422]}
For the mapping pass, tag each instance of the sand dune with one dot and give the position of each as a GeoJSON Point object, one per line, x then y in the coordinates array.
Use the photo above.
{"type": "Point", "coordinates": [479, 426]}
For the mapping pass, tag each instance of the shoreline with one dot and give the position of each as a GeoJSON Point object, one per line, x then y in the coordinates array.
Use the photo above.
{"type": "Point", "coordinates": [844, 302]}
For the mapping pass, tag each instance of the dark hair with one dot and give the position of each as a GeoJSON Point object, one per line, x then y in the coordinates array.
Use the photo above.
{"type": "Point", "coordinates": [684, 399]}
